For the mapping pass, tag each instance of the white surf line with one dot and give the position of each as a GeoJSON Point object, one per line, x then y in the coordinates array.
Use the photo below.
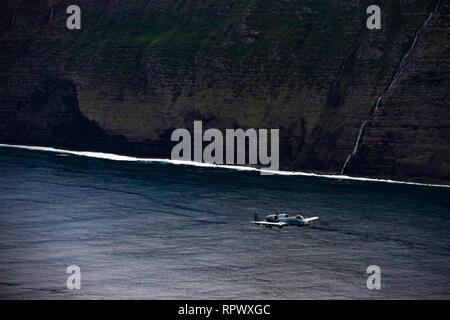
{"type": "Point", "coordinates": [116, 157]}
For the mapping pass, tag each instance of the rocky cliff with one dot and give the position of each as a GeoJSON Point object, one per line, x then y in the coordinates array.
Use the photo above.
{"type": "Point", "coordinates": [138, 69]}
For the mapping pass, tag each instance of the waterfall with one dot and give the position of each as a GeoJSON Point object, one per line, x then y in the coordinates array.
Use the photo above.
{"type": "Point", "coordinates": [13, 17]}
{"type": "Point", "coordinates": [397, 75]}
{"type": "Point", "coordinates": [345, 163]}
{"type": "Point", "coordinates": [405, 58]}
{"type": "Point", "coordinates": [377, 104]}
{"type": "Point", "coordinates": [355, 148]}
{"type": "Point", "coordinates": [51, 14]}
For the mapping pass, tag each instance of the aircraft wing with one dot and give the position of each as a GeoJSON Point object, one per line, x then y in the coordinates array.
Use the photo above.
{"type": "Point", "coordinates": [310, 219]}
{"type": "Point", "coordinates": [266, 223]}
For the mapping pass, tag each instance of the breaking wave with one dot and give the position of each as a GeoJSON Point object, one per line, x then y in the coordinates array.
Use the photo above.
{"type": "Point", "coordinates": [116, 157]}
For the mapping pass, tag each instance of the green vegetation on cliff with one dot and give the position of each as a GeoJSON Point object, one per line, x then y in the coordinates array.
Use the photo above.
{"type": "Point", "coordinates": [308, 67]}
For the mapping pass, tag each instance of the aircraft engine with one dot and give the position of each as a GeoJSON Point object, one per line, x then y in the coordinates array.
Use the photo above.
{"type": "Point", "coordinates": [272, 218]}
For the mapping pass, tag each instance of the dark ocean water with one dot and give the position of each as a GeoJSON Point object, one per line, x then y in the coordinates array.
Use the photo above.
{"type": "Point", "coordinates": [155, 230]}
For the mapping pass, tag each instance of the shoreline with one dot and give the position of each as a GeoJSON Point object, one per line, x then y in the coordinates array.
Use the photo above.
{"type": "Point", "coordinates": [117, 157]}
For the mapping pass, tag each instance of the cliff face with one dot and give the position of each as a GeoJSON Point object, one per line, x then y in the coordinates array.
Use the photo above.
{"type": "Point", "coordinates": [138, 69]}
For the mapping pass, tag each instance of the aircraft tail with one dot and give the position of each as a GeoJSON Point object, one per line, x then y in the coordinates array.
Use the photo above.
{"type": "Point", "coordinates": [256, 217]}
